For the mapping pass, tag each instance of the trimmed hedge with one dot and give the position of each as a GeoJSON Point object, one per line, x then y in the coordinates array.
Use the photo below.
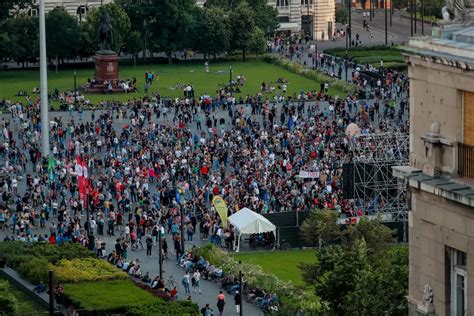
{"type": "Point", "coordinates": [342, 88]}
{"type": "Point", "coordinates": [182, 308]}
{"type": "Point", "coordinates": [87, 269]}
{"type": "Point", "coordinates": [112, 296]}
{"type": "Point", "coordinates": [33, 260]}
{"type": "Point", "coordinates": [17, 252]}
{"type": "Point", "coordinates": [391, 55]}
{"type": "Point", "coordinates": [122, 296]}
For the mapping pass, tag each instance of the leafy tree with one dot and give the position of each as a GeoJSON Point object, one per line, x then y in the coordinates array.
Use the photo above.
{"type": "Point", "coordinates": [171, 23]}
{"type": "Point", "coordinates": [433, 8]}
{"type": "Point", "coordinates": [266, 16]}
{"type": "Point", "coordinates": [8, 301]}
{"type": "Point", "coordinates": [258, 43]}
{"type": "Point", "coordinates": [334, 275]}
{"type": "Point", "coordinates": [134, 44]}
{"type": "Point", "coordinates": [382, 289]}
{"type": "Point", "coordinates": [212, 31]}
{"type": "Point", "coordinates": [140, 14]}
{"type": "Point", "coordinates": [341, 15]}
{"type": "Point", "coordinates": [374, 232]}
{"type": "Point", "coordinates": [88, 41]}
{"type": "Point", "coordinates": [5, 45]}
{"type": "Point", "coordinates": [12, 7]}
{"type": "Point", "coordinates": [63, 34]}
{"type": "Point", "coordinates": [120, 24]}
{"type": "Point", "coordinates": [24, 42]}
{"type": "Point", "coordinates": [363, 275]}
{"type": "Point", "coordinates": [321, 227]}
{"type": "Point", "coordinates": [242, 26]}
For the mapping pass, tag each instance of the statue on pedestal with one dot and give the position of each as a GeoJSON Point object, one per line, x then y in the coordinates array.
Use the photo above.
{"type": "Point", "coordinates": [105, 33]}
{"type": "Point", "coordinates": [459, 12]}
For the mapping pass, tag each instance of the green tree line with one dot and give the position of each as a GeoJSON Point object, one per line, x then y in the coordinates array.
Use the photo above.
{"type": "Point", "coordinates": [152, 26]}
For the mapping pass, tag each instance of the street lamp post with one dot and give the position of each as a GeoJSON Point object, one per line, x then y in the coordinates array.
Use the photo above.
{"type": "Point", "coordinates": [415, 7]}
{"type": "Point", "coordinates": [386, 31]}
{"type": "Point", "coordinates": [241, 288]}
{"type": "Point", "coordinates": [75, 86]}
{"type": "Point", "coordinates": [422, 17]}
{"type": "Point", "coordinates": [230, 74]}
{"type": "Point", "coordinates": [43, 83]}
{"type": "Point", "coordinates": [160, 256]}
{"type": "Point", "coordinates": [51, 292]}
{"type": "Point", "coordinates": [411, 17]}
{"type": "Point", "coordinates": [370, 10]}
{"type": "Point", "coordinates": [391, 12]}
{"type": "Point", "coordinates": [182, 228]}
{"type": "Point", "coordinates": [349, 6]}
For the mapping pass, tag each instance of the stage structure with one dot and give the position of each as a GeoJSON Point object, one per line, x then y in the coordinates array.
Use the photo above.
{"type": "Point", "coordinates": [375, 189]}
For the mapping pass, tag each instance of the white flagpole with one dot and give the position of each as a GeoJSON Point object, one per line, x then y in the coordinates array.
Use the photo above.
{"type": "Point", "coordinates": [43, 83]}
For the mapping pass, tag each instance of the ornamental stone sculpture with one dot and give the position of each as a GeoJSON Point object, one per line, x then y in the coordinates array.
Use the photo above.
{"type": "Point", "coordinates": [458, 11]}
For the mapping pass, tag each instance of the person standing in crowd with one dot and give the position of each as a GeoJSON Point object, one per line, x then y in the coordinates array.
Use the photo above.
{"type": "Point", "coordinates": [149, 245]}
{"type": "Point", "coordinates": [220, 302]}
{"type": "Point", "coordinates": [238, 301]}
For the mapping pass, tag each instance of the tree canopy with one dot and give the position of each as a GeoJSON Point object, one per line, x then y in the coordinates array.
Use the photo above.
{"type": "Point", "coordinates": [63, 34]}
{"type": "Point", "coordinates": [120, 24]}
{"type": "Point", "coordinates": [363, 275]}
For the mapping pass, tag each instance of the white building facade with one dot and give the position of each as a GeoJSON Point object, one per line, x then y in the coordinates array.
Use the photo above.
{"type": "Point", "coordinates": [313, 18]}
{"type": "Point", "coordinates": [77, 8]}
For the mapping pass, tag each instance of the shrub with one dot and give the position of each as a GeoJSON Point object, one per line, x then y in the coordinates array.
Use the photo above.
{"type": "Point", "coordinates": [8, 302]}
{"type": "Point", "coordinates": [88, 269]}
{"type": "Point", "coordinates": [35, 270]}
{"type": "Point", "coordinates": [185, 308]}
{"type": "Point", "coordinates": [17, 252]}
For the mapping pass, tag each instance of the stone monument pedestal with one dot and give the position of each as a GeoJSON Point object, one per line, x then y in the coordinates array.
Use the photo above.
{"type": "Point", "coordinates": [106, 67]}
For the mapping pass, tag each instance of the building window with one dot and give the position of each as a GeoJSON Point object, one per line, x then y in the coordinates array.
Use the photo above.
{"type": "Point", "coordinates": [458, 280]}
{"type": "Point", "coordinates": [468, 113]}
{"type": "Point", "coordinates": [282, 3]}
{"type": "Point", "coordinates": [82, 10]}
{"type": "Point", "coordinates": [466, 147]}
{"type": "Point", "coordinates": [284, 19]}
{"type": "Point", "coordinates": [306, 2]}
{"type": "Point", "coordinates": [33, 12]}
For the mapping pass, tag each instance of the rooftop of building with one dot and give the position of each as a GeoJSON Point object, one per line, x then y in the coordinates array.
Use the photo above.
{"type": "Point", "coordinates": [460, 190]}
{"type": "Point", "coordinates": [451, 45]}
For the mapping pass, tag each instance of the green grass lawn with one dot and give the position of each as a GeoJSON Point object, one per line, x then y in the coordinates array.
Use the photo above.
{"type": "Point", "coordinates": [254, 71]}
{"type": "Point", "coordinates": [26, 305]}
{"type": "Point", "coordinates": [283, 264]}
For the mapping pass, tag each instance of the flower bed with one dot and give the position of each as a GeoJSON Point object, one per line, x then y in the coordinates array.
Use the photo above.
{"type": "Point", "coordinates": [292, 298]}
{"type": "Point", "coordinates": [297, 68]}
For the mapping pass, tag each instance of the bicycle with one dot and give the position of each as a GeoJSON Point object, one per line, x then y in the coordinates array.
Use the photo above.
{"type": "Point", "coordinates": [137, 244]}
{"type": "Point", "coordinates": [170, 283]}
{"type": "Point", "coordinates": [284, 246]}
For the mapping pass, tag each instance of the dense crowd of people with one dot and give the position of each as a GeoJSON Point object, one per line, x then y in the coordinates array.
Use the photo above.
{"type": "Point", "coordinates": [154, 164]}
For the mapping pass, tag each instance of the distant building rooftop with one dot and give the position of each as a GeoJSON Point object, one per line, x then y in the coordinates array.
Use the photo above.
{"type": "Point", "coordinates": [450, 45]}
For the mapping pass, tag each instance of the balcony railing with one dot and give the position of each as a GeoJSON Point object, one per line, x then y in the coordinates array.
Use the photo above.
{"type": "Point", "coordinates": [465, 160]}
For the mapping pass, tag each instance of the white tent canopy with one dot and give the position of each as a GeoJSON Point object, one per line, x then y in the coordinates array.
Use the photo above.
{"type": "Point", "coordinates": [247, 221]}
